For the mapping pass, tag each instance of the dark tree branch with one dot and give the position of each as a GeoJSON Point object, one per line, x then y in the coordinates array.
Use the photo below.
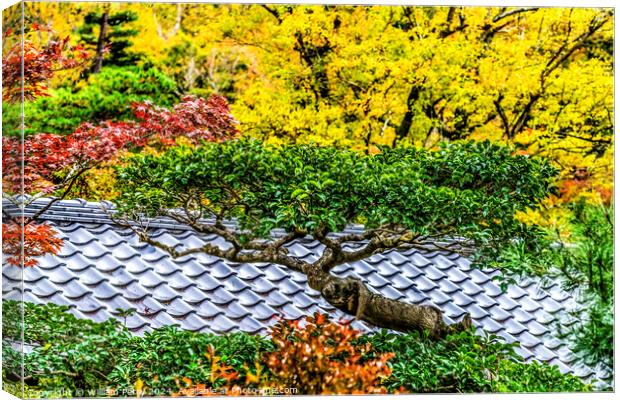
{"type": "Point", "coordinates": [505, 14]}
{"type": "Point", "coordinates": [177, 24]}
{"type": "Point", "coordinates": [405, 124]}
{"type": "Point", "coordinates": [447, 31]}
{"type": "Point", "coordinates": [273, 12]}
{"type": "Point", "coordinates": [347, 294]}
{"type": "Point", "coordinates": [51, 202]}
{"type": "Point", "coordinates": [490, 30]}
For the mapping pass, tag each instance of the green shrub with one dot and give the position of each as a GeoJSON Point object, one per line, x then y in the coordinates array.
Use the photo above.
{"type": "Point", "coordinates": [106, 95]}
{"type": "Point", "coordinates": [583, 263]}
{"type": "Point", "coordinates": [82, 354]}
{"type": "Point", "coordinates": [71, 353]}
{"type": "Point", "coordinates": [465, 362]}
{"type": "Point", "coordinates": [589, 266]}
{"type": "Point", "coordinates": [167, 354]}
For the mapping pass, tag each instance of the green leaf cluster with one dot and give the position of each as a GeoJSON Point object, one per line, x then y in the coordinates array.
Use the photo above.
{"type": "Point", "coordinates": [469, 189]}
{"type": "Point", "coordinates": [117, 37]}
{"type": "Point", "coordinates": [107, 355]}
{"type": "Point", "coordinates": [465, 363]}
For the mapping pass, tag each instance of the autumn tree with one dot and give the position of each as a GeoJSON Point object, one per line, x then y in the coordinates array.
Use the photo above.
{"type": "Point", "coordinates": [537, 78]}
{"type": "Point", "coordinates": [26, 68]}
{"type": "Point", "coordinates": [47, 164]}
{"type": "Point", "coordinates": [461, 198]}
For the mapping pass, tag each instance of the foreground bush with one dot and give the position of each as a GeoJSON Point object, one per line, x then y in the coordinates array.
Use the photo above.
{"type": "Point", "coordinates": [466, 362]}
{"type": "Point", "coordinates": [162, 357]}
{"type": "Point", "coordinates": [323, 357]}
{"type": "Point", "coordinates": [311, 356]}
{"type": "Point", "coordinates": [318, 357]}
{"type": "Point", "coordinates": [81, 354]}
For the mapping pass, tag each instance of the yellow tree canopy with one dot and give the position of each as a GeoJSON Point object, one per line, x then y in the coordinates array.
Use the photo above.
{"type": "Point", "coordinates": [360, 77]}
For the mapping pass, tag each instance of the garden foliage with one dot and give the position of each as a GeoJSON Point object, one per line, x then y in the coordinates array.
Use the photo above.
{"type": "Point", "coordinates": [583, 263]}
{"type": "Point", "coordinates": [465, 362]}
{"type": "Point", "coordinates": [81, 354]}
{"type": "Point", "coordinates": [108, 95]}
{"type": "Point", "coordinates": [372, 81]}
{"type": "Point", "coordinates": [469, 189]}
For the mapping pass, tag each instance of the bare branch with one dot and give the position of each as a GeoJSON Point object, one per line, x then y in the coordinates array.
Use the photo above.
{"type": "Point", "coordinates": [51, 202]}
{"type": "Point", "coordinates": [505, 14]}
{"type": "Point", "coordinates": [175, 28]}
{"type": "Point", "coordinates": [273, 12]}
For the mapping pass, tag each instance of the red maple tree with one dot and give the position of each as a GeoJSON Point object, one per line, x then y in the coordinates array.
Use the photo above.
{"type": "Point", "coordinates": [39, 65]}
{"type": "Point", "coordinates": [49, 163]}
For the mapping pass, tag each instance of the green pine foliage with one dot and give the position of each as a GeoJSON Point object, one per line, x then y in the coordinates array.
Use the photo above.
{"type": "Point", "coordinates": [118, 36]}
{"type": "Point", "coordinates": [107, 95]}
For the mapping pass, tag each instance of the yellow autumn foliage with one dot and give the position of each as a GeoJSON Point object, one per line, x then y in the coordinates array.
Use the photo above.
{"type": "Point", "coordinates": [366, 76]}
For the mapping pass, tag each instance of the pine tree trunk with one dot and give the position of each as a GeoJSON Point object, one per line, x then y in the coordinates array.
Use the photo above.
{"type": "Point", "coordinates": [103, 27]}
{"type": "Point", "coordinates": [352, 296]}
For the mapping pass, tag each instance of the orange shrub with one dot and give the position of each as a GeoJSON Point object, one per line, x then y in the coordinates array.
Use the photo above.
{"type": "Point", "coordinates": [312, 356]}
{"type": "Point", "coordinates": [322, 358]}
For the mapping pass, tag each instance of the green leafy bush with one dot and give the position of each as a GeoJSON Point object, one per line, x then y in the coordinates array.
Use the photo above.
{"type": "Point", "coordinates": [106, 96]}
{"type": "Point", "coordinates": [167, 354]}
{"type": "Point", "coordinates": [71, 353]}
{"type": "Point", "coordinates": [465, 362]}
{"type": "Point", "coordinates": [74, 353]}
{"type": "Point", "coordinates": [81, 354]}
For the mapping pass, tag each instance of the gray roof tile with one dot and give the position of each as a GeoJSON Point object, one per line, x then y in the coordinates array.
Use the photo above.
{"type": "Point", "coordinates": [499, 313]}
{"type": "Point", "coordinates": [442, 262]}
{"type": "Point", "coordinates": [491, 325]}
{"type": "Point", "coordinates": [461, 299]}
{"type": "Point", "coordinates": [515, 328]}
{"type": "Point", "coordinates": [456, 275]}
{"type": "Point", "coordinates": [424, 284]}
{"type": "Point", "coordinates": [103, 267]}
{"type": "Point", "coordinates": [477, 312]}
{"type": "Point", "coordinates": [163, 293]}
{"type": "Point", "coordinates": [485, 301]}
{"type": "Point", "coordinates": [393, 293]}
{"type": "Point", "coordinates": [249, 272]}
{"type": "Point", "coordinates": [433, 273]}
{"type": "Point", "coordinates": [375, 280]}
{"type": "Point", "coordinates": [236, 311]}
{"type": "Point", "coordinates": [448, 287]}
{"type": "Point", "coordinates": [208, 310]}
{"type": "Point", "coordinates": [416, 296]}
{"type": "Point", "coordinates": [222, 324]}
{"type": "Point", "coordinates": [262, 286]}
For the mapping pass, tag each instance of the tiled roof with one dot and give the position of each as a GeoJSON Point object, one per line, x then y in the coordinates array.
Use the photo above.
{"type": "Point", "coordinates": [103, 268]}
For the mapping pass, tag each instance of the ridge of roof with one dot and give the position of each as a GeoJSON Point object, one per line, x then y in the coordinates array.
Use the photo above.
{"type": "Point", "coordinates": [73, 210]}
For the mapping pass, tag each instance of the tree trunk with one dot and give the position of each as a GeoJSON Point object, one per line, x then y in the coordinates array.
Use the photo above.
{"type": "Point", "coordinates": [351, 296]}
{"type": "Point", "coordinates": [103, 27]}
{"type": "Point", "coordinates": [405, 125]}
